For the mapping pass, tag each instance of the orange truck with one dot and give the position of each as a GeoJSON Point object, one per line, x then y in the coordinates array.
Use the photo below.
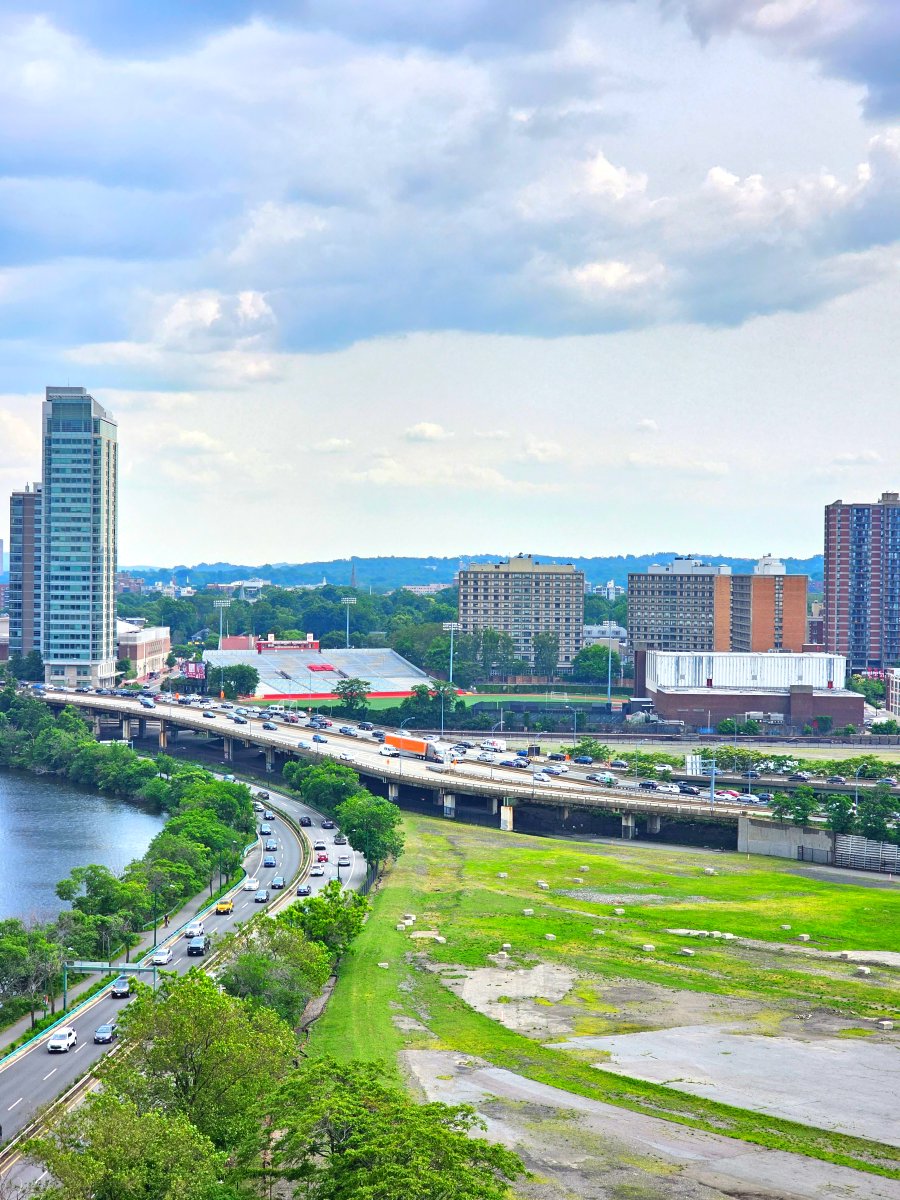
{"type": "Point", "coordinates": [413, 747]}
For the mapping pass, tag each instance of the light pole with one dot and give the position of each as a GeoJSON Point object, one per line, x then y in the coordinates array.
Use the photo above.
{"type": "Point", "coordinates": [609, 672]}
{"type": "Point", "coordinates": [451, 628]}
{"type": "Point", "coordinates": [574, 711]}
{"type": "Point", "coordinates": [221, 605]}
{"type": "Point", "coordinates": [348, 602]}
{"type": "Point", "coordinates": [856, 786]}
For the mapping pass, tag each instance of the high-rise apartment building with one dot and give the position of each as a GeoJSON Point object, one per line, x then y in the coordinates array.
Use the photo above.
{"type": "Point", "coordinates": [79, 539]}
{"type": "Point", "coordinates": [862, 581]}
{"type": "Point", "coordinates": [24, 599]}
{"type": "Point", "coordinates": [691, 606]}
{"type": "Point", "coordinates": [522, 598]}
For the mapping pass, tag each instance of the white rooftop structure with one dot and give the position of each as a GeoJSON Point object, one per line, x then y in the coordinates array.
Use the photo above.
{"type": "Point", "coordinates": [759, 672]}
{"type": "Point", "coordinates": [299, 673]}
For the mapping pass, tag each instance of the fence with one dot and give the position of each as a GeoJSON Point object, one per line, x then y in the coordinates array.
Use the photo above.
{"type": "Point", "coordinates": [864, 854]}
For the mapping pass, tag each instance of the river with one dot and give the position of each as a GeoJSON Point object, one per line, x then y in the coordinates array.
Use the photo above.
{"type": "Point", "coordinates": [47, 827]}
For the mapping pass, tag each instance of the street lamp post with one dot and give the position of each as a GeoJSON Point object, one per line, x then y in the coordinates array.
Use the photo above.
{"type": "Point", "coordinates": [451, 628]}
{"type": "Point", "coordinates": [609, 673]}
{"type": "Point", "coordinates": [856, 786]}
{"type": "Point", "coordinates": [348, 602]}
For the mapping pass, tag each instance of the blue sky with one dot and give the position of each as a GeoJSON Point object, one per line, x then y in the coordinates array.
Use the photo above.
{"type": "Point", "coordinates": [388, 277]}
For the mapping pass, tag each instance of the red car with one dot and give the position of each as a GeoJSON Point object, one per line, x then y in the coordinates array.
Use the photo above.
{"type": "Point", "coordinates": [321, 856]}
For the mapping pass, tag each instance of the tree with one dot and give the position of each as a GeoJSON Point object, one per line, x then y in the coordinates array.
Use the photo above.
{"type": "Point", "coordinates": [106, 1149]}
{"type": "Point", "coordinates": [545, 647]}
{"type": "Point", "coordinates": [781, 806]}
{"type": "Point", "coordinates": [804, 803]}
{"type": "Point", "coordinates": [840, 816]}
{"type": "Point", "coordinates": [333, 917]}
{"type": "Point", "coordinates": [274, 964]}
{"type": "Point", "coordinates": [372, 826]}
{"type": "Point", "coordinates": [353, 693]}
{"type": "Point", "coordinates": [201, 1054]}
{"type": "Point", "coordinates": [344, 1133]}
{"type": "Point", "coordinates": [323, 785]}
{"type": "Point", "coordinates": [593, 748]}
{"type": "Point", "coordinates": [877, 814]}
{"type": "Point", "coordinates": [591, 664]}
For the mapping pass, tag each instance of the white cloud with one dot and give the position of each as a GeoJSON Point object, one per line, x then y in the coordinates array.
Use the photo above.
{"type": "Point", "coordinates": [333, 445]}
{"type": "Point", "coordinates": [542, 452]}
{"type": "Point", "coordinates": [675, 463]}
{"type": "Point", "coordinates": [861, 458]}
{"type": "Point", "coordinates": [647, 425]}
{"type": "Point", "coordinates": [390, 472]}
{"type": "Point", "coordinates": [427, 431]}
{"type": "Point", "coordinates": [20, 441]}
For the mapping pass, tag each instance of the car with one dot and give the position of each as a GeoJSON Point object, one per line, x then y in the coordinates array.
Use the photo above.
{"type": "Point", "coordinates": [257, 807]}
{"type": "Point", "coordinates": [619, 764]}
{"type": "Point", "coordinates": [346, 729]}
{"type": "Point", "coordinates": [320, 845]}
{"type": "Point", "coordinates": [269, 725]}
{"type": "Point", "coordinates": [63, 1040]}
{"type": "Point", "coordinates": [317, 737]}
{"type": "Point", "coordinates": [317, 870]}
{"type": "Point", "coordinates": [584, 760]}
{"type": "Point", "coordinates": [340, 840]}
{"type": "Point", "coordinates": [379, 735]}
{"type": "Point", "coordinates": [261, 795]}
{"type": "Point", "coordinates": [210, 716]}
{"type": "Point", "coordinates": [271, 844]}
{"type": "Point", "coordinates": [265, 830]}
{"type": "Point", "coordinates": [277, 883]}
{"type": "Point", "coordinates": [106, 1033]}
{"type": "Point", "coordinates": [766, 797]}
{"type": "Point", "coordinates": [507, 762]}
{"type": "Point", "coordinates": [835, 779]}
{"type": "Point", "coordinates": [751, 774]}
{"type": "Point", "coordinates": [668, 789]}
{"type": "Point", "coordinates": [649, 785]}
{"type": "Point", "coordinates": [799, 776]}
{"type": "Point", "coordinates": [161, 957]}
{"type": "Point", "coordinates": [322, 856]}
{"type": "Point", "coordinates": [270, 861]}
{"type": "Point", "coordinates": [268, 815]}
{"type": "Point", "coordinates": [366, 725]}
{"type": "Point", "coordinates": [121, 987]}
{"type": "Point", "coordinates": [328, 824]}
{"type": "Point", "coordinates": [304, 745]}
{"type": "Point", "coordinates": [345, 861]}
{"type": "Point", "coordinates": [251, 883]}
{"type": "Point", "coordinates": [599, 777]}
{"type": "Point", "coordinates": [688, 789]}
{"type": "Point", "coordinates": [552, 771]}
{"type": "Point", "coordinates": [888, 781]}
{"type": "Point", "coordinates": [562, 768]}
{"type": "Point", "coordinates": [225, 906]}
{"type": "Point", "coordinates": [306, 821]}
{"type": "Point", "coordinates": [194, 929]}
{"type": "Point", "coordinates": [346, 757]}
{"type": "Point", "coordinates": [483, 757]}
{"type": "Point", "coordinates": [290, 719]}
{"type": "Point", "coordinates": [262, 896]}
{"type": "Point", "coordinates": [303, 889]}
{"type": "Point", "coordinates": [556, 757]}
{"type": "Point", "coordinates": [541, 777]}
{"type": "Point", "coordinates": [199, 945]}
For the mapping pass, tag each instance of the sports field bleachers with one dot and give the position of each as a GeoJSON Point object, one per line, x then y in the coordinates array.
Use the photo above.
{"type": "Point", "coordinates": [301, 673]}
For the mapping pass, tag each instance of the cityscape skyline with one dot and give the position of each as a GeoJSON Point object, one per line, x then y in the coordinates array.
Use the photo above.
{"type": "Point", "coordinates": [564, 265]}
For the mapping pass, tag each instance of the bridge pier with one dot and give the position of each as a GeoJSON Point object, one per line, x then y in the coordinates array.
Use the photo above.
{"type": "Point", "coordinates": [270, 759]}
{"type": "Point", "coordinates": [393, 790]}
{"type": "Point", "coordinates": [142, 727]}
{"type": "Point", "coordinates": [126, 729]}
{"type": "Point", "coordinates": [163, 735]}
{"type": "Point", "coordinates": [506, 818]}
{"type": "Point", "coordinates": [449, 802]}
{"type": "Point", "coordinates": [95, 726]}
{"type": "Point", "coordinates": [565, 812]}
{"type": "Point", "coordinates": [628, 826]}
{"type": "Point", "coordinates": [653, 823]}
{"type": "Point", "coordinates": [492, 804]}
{"type": "Point", "coordinates": [228, 749]}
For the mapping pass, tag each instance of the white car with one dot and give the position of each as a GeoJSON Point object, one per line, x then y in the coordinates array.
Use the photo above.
{"type": "Point", "coordinates": [161, 957]}
{"type": "Point", "coordinates": [251, 884]}
{"type": "Point", "coordinates": [389, 752]}
{"type": "Point", "coordinates": [541, 777]}
{"type": "Point", "coordinates": [318, 869]}
{"type": "Point", "coordinates": [63, 1040]}
{"type": "Point", "coordinates": [345, 758]}
{"type": "Point", "coordinates": [667, 789]}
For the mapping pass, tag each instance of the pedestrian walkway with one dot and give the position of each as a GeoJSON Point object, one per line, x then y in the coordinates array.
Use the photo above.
{"type": "Point", "coordinates": [13, 1032]}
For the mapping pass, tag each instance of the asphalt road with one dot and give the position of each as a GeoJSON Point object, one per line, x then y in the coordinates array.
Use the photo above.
{"type": "Point", "coordinates": [33, 1077]}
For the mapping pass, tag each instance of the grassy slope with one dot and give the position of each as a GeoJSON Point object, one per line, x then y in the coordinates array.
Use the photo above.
{"type": "Point", "coordinates": [449, 879]}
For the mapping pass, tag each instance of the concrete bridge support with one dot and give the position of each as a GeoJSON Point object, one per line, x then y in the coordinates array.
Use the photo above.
{"type": "Point", "coordinates": [228, 749]}
{"type": "Point", "coordinates": [506, 818]}
{"type": "Point", "coordinates": [163, 735]}
{"type": "Point", "coordinates": [492, 805]}
{"type": "Point", "coordinates": [653, 823]}
{"type": "Point", "coordinates": [393, 790]}
{"type": "Point", "coordinates": [270, 759]}
{"type": "Point", "coordinates": [628, 824]}
{"type": "Point", "coordinates": [142, 727]}
{"type": "Point", "coordinates": [449, 803]}
{"type": "Point", "coordinates": [126, 729]}
{"type": "Point", "coordinates": [95, 726]}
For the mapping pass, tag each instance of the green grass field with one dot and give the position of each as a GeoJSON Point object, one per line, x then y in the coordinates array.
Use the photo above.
{"type": "Point", "coordinates": [448, 878]}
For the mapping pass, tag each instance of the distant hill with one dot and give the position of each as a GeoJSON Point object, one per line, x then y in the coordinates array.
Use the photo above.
{"type": "Point", "coordinates": [383, 574]}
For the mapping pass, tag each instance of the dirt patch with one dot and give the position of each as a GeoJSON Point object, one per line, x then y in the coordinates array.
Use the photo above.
{"type": "Point", "coordinates": [523, 999]}
{"type": "Point", "coordinates": [587, 1149]}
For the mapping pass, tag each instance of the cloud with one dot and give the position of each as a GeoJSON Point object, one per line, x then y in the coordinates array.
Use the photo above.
{"type": "Point", "coordinates": [677, 464]}
{"type": "Point", "coordinates": [333, 445]}
{"type": "Point", "coordinates": [20, 441]}
{"type": "Point", "coordinates": [427, 431]}
{"type": "Point", "coordinates": [861, 458]}
{"type": "Point", "coordinates": [390, 472]}
{"type": "Point", "coordinates": [542, 452]}
{"type": "Point", "coordinates": [647, 425]}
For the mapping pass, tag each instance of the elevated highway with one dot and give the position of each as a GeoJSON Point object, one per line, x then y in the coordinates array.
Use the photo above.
{"type": "Point", "coordinates": [495, 791]}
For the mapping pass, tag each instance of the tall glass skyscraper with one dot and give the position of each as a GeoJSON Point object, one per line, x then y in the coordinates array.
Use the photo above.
{"type": "Point", "coordinates": [25, 571]}
{"type": "Point", "coordinates": [79, 539]}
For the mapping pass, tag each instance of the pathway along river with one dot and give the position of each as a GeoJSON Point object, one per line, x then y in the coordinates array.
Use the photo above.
{"type": "Point", "coordinates": [47, 827]}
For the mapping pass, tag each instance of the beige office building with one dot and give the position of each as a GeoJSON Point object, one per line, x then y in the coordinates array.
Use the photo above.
{"type": "Point", "coordinates": [522, 598]}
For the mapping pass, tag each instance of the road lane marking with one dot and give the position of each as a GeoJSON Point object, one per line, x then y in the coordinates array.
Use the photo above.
{"type": "Point", "coordinates": [81, 1047]}
{"type": "Point", "coordinates": [49, 1073]}
{"type": "Point", "coordinates": [12, 1106]}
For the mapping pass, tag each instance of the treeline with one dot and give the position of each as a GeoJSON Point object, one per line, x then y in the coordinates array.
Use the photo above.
{"type": "Point", "coordinates": [208, 825]}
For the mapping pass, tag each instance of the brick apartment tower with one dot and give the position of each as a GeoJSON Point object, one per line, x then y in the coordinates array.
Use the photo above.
{"type": "Point", "coordinates": [862, 581]}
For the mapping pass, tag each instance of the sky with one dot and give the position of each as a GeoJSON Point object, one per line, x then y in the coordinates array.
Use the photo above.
{"type": "Point", "coordinates": [385, 277]}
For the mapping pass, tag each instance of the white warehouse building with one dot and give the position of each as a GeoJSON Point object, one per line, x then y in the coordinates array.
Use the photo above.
{"type": "Point", "coordinates": [767, 671]}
